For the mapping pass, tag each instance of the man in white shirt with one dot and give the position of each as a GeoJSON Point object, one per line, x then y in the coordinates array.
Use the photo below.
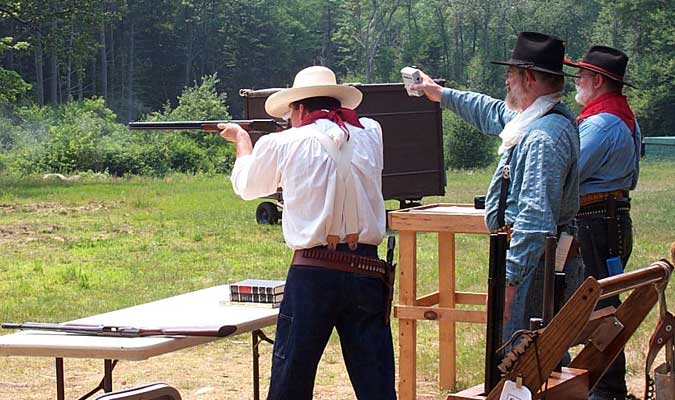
{"type": "Point", "coordinates": [329, 165]}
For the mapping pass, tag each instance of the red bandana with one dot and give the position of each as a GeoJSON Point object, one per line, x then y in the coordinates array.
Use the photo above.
{"type": "Point", "coordinates": [614, 103]}
{"type": "Point", "coordinates": [339, 116]}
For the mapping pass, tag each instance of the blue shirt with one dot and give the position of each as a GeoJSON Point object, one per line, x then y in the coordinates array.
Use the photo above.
{"type": "Point", "coordinates": [610, 155]}
{"type": "Point", "coordinates": [544, 189]}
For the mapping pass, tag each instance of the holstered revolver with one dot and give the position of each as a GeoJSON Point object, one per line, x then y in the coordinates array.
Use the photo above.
{"type": "Point", "coordinates": [389, 278]}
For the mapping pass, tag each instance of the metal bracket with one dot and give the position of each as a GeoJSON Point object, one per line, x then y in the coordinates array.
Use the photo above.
{"type": "Point", "coordinates": [604, 334]}
{"type": "Point", "coordinates": [257, 336]}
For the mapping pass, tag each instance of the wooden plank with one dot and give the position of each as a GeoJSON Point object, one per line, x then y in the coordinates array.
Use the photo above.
{"type": "Point", "coordinates": [441, 314]}
{"type": "Point", "coordinates": [630, 313]}
{"type": "Point", "coordinates": [431, 299]}
{"type": "Point", "coordinates": [438, 223]}
{"type": "Point", "coordinates": [447, 345]}
{"type": "Point", "coordinates": [540, 359]}
{"type": "Point", "coordinates": [569, 384]}
{"type": "Point", "coordinates": [428, 300]}
{"type": "Point", "coordinates": [407, 327]}
{"type": "Point", "coordinates": [471, 298]}
{"type": "Point", "coordinates": [472, 393]}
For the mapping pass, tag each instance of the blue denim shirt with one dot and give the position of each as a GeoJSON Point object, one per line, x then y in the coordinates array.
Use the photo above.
{"type": "Point", "coordinates": [607, 147]}
{"type": "Point", "coordinates": [544, 188]}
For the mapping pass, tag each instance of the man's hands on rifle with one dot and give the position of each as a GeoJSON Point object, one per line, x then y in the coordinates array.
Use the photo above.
{"type": "Point", "coordinates": [430, 88]}
{"type": "Point", "coordinates": [230, 131]}
{"type": "Point", "coordinates": [236, 134]}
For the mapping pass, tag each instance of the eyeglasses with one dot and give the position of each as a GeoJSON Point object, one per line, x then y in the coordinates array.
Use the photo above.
{"type": "Point", "coordinates": [582, 76]}
{"type": "Point", "coordinates": [287, 116]}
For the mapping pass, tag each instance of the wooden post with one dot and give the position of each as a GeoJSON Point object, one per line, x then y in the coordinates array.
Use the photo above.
{"type": "Point", "coordinates": [407, 328]}
{"type": "Point", "coordinates": [446, 299]}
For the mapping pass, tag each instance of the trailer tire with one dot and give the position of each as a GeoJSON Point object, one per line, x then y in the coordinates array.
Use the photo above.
{"type": "Point", "coordinates": [267, 213]}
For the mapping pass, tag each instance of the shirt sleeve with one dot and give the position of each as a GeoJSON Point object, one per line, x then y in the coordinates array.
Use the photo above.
{"type": "Point", "coordinates": [593, 150]}
{"type": "Point", "coordinates": [487, 114]}
{"type": "Point", "coordinates": [538, 203]}
{"type": "Point", "coordinates": [638, 153]}
{"type": "Point", "coordinates": [258, 174]}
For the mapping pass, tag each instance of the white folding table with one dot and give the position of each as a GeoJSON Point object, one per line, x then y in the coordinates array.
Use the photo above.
{"type": "Point", "coordinates": [206, 308]}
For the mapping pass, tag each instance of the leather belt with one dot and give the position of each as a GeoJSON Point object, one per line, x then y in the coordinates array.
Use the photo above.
{"type": "Point", "coordinates": [599, 197]}
{"type": "Point", "coordinates": [340, 261]}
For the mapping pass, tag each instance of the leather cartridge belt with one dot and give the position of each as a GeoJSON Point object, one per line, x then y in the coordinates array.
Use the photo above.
{"type": "Point", "coordinates": [600, 210]}
{"type": "Point", "coordinates": [322, 258]}
{"type": "Point", "coordinates": [600, 197]}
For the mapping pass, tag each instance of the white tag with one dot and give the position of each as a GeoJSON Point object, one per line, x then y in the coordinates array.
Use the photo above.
{"type": "Point", "coordinates": [564, 244]}
{"type": "Point", "coordinates": [512, 392]}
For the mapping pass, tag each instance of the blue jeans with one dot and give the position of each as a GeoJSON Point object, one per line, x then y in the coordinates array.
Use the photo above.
{"type": "Point", "coordinates": [594, 248]}
{"type": "Point", "coordinates": [315, 301]}
{"type": "Point", "coordinates": [529, 297]}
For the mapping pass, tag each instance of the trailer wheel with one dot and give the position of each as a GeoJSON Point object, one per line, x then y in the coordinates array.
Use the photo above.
{"type": "Point", "coordinates": [267, 213]}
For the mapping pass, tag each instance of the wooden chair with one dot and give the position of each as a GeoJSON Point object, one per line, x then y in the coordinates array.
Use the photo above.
{"type": "Point", "coordinates": [153, 391]}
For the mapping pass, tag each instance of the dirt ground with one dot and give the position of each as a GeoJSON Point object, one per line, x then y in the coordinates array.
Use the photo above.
{"type": "Point", "coordinates": [220, 370]}
{"type": "Point", "coordinates": [216, 371]}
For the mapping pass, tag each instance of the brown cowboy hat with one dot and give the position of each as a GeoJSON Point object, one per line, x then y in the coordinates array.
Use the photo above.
{"type": "Point", "coordinates": [538, 52]}
{"type": "Point", "coordinates": [605, 61]}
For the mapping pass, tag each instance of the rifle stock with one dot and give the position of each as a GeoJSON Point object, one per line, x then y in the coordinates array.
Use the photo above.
{"type": "Point", "coordinates": [250, 125]}
{"type": "Point", "coordinates": [122, 331]}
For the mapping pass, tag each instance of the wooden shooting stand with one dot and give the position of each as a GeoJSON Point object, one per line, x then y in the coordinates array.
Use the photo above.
{"type": "Point", "coordinates": [446, 220]}
{"type": "Point", "coordinates": [602, 333]}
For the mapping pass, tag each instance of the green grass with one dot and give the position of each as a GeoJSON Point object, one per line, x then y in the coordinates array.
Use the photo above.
{"type": "Point", "coordinates": [70, 250]}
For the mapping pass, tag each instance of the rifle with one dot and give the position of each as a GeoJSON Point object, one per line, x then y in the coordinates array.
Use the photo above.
{"type": "Point", "coordinates": [250, 125]}
{"type": "Point", "coordinates": [122, 331]}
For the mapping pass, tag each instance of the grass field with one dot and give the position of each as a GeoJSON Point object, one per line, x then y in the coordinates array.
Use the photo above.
{"type": "Point", "coordinates": [72, 249]}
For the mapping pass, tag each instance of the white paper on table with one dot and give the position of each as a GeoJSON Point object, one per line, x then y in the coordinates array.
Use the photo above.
{"type": "Point", "coordinates": [511, 391]}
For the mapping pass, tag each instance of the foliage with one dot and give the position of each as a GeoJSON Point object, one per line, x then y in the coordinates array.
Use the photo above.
{"type": "Point", "coordinates": [12, 87]}
{"type": "Point", "coordinates": [141, 55]}
{"type": "Point", "coordinates": [466, 147]}
{"type": "Point", "coordinates": [85, 136]}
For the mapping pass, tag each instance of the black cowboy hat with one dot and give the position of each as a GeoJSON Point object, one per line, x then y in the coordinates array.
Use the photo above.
{"type": "Point", "coordinates": [538, 52]}
{"type": "Point", "coordinates": [604, 61]}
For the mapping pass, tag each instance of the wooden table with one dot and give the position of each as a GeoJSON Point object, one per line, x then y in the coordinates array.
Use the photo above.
{"type": "Point", "coordinates": [446, 220]}
{"type": "Point", "coordinates": [202, 308]}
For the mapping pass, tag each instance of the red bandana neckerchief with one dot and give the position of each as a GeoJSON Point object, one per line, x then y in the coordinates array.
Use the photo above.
{"type": "Point", "coordinates": [339, 116]}
{"type": "Point", "coordinates": [614, 103]}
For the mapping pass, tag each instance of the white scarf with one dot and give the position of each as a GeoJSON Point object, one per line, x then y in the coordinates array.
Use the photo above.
{"type": "Point", "coordinates": [515, 129]}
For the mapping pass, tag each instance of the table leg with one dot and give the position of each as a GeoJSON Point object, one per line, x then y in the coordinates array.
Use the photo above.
{"type": "Point", "coordinates": [60, 392]}
{"type": "Point", "coordinates": [106, 382]}
{"type": "Point", "coordinates": [257, 337]}
{"type": "Point", "coordinates": [407, 384]}
{"type": "Point", "coordinates": [447, 347]}
{"type": "Point", "coordinates": [107, 375]}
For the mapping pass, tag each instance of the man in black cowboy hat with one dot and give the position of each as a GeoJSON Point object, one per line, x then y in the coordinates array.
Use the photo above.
{"type": "Point", "coordinates": [540, 148]}
{"type": "Point", "coordinates": [608, 169]}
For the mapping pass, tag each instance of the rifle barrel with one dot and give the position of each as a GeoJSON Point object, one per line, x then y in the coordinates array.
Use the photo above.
{"type": "Point", "coordinates": [122, 331]}
{"type": "Point", "coordinates": [269, 125]}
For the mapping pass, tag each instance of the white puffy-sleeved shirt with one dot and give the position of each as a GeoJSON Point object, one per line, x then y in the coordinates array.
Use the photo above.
{"type": "Point", "coordinates": [295, 161]}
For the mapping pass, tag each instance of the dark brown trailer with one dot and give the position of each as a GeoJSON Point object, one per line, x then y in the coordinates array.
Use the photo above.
{"type": "Point", "coordinates": [412, 129]}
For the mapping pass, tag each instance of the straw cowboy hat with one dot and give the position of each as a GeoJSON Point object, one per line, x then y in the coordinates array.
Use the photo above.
{"type": "Point", "coordinates": [606, 61]}
{"type": "Point", "coordinates": [312, 82]}
{"type": "Point", "coordinates": [538, 52]}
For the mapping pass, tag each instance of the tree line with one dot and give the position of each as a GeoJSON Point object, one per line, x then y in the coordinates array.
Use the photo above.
{"type": "Point", "coordinates": [139, 55]}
